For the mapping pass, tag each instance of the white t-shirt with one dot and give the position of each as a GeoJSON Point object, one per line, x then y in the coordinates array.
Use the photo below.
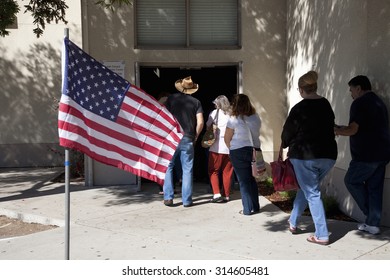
{"type": "Point", "coordinates": [241, 136]}
{"type": "Point", "coordinates": [219, 145]}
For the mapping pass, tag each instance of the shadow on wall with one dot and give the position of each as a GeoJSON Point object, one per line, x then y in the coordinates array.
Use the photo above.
{"type": "Point", "coordinates": [319, 38]}
{"type": "Point", "coordinates": [316, 41]}
{"type": "Point", "coordinates": [267, 48]}
{"type": "Point", "coordinates": [339, 40]}
{"type": "Point", "coordinates": [30, 86]}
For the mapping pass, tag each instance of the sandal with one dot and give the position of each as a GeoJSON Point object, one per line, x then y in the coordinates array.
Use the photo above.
{"type": "Point", "coordinates": [293, 230]}
{"type": "Point", "coordinates": [313, 239]}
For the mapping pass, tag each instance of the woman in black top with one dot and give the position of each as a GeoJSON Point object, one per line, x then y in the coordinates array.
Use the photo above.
{"type": "Point", "coordinates": [309, 134]}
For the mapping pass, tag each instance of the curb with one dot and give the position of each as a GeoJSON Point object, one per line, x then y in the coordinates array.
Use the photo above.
{"type": "Point", "coordinates": [30, 218]}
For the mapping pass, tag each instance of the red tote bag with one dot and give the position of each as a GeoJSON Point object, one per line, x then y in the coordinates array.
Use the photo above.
{"type": "Point", "coordinates": [283, 175]}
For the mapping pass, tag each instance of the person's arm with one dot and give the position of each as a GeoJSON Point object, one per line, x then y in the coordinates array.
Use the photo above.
{"type": "Point", "coordinates": [199, 125]}
{"type": "Point", "coordinates": [291, 126]}
{"type": "Point", "coordinates": [347, 130]}
{"type": "Point", "coordinates": [210, 120]}
{"type": "Point", "coordinates": [228, 136]}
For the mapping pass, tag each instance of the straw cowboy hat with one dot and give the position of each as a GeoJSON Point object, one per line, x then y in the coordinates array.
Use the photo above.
{"type": "Point", "coordinates": [186, 85]}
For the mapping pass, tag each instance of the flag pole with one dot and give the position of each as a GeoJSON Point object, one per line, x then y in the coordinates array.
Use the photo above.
{"type": "Point", "coordinates": [67, 191]}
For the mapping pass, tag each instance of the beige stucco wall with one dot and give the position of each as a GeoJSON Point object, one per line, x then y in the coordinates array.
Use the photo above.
{"type": "Point", "coordinates": [340, 39]}
{"type": "Point", "coordinates": [30, 80]}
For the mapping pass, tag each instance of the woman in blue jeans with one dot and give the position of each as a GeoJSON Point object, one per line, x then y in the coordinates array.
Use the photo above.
{"type": "Point", "coordinates": [308, 133]}
{"type": "Point", "coordinates": [241, 136]}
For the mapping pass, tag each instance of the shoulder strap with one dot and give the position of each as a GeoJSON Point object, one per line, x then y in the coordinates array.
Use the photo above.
{"type": "Point", "coordinates": [216, 117]}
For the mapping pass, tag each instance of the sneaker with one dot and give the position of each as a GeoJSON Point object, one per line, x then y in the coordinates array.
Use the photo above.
{"type": "Point", "coordinates": [188, 205]}
{"type": "Point", "coordinates": [168, 202]}
{"type": "Point", "coordinates": [216, 199]}
{"type": "Point", "coordinates": [369, 229]}
{"type": "Point", "coordinates": [225, 198]}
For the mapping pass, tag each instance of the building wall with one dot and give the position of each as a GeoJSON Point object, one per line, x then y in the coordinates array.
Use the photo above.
{"type": "Point", "coordinates": [30, 84]}
{"type": "Point", "coordinates": [340, 39]}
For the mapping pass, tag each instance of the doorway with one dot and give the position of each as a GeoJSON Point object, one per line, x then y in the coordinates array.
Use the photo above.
{"type": "Point", "coordinates": [213, 81]}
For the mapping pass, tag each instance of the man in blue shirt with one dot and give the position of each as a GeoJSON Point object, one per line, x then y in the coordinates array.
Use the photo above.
{"type": "Point", "coordinates": [370, 150]}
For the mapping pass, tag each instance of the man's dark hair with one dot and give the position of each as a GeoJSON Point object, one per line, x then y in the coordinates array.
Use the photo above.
{"type": "Point", "coordinates": [361, 81]}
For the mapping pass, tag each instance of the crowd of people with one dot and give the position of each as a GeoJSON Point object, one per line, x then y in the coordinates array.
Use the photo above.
{"type": "Point", "coordinates": [309, 133]}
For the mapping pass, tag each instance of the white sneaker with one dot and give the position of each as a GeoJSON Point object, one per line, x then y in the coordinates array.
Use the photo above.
{"type": "Point", "coordinates": [369, 229]}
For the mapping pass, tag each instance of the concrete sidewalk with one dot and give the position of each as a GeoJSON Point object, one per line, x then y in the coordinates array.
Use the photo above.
{"type": "Point", "coordinates": [119, 223]}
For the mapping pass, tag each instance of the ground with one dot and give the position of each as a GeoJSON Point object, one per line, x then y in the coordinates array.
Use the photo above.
{"type": "Point", "coordinates": [285, 203]}
{"type": "Point", "coordinates": [10, 227]}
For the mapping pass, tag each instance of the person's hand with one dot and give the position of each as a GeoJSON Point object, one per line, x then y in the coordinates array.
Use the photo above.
{"type": "Point", "coordinates": [336, 130]}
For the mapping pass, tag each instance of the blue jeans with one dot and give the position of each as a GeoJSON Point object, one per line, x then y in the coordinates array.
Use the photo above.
{"type": "Point", "coordinates": [364, 180]}
{"type": "Point", "coordinates": [241, 160]}
{"type": "Point", "coordinates": [185, 151]}
{"type": "Point", "coordinates": [309, 175]}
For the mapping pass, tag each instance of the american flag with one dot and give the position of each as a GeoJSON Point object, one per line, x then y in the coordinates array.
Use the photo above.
{"type": "Point", "coordinates": [112, 121]}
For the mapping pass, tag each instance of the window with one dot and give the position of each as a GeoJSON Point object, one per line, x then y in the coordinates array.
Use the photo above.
{"type": "Point", "coordinates": [207, 24]}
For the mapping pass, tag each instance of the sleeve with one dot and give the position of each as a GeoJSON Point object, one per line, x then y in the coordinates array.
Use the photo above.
{"type": "Point", "coordinates": [290, 129]}
{"type": "Point", "coordinates": [210, 120]}
{"type": "Point", "coordinates": [199, 107]}
{"type": "Point", "coordinates": [354, 115]}
{"type": "Point", "coordinates": [230, 123]}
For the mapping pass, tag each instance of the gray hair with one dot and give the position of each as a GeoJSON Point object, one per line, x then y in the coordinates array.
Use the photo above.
{"type": "Point", "coordinates": [222, 102]}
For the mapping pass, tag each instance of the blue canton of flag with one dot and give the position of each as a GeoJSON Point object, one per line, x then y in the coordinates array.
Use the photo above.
{"type": "Point", "coordinates": [92, 85]}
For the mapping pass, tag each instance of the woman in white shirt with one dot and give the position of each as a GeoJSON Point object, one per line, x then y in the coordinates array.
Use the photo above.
{"type": "Point", "coordinates": [241, 136]}
{"type": "Point", "coordinates": [218, 160]}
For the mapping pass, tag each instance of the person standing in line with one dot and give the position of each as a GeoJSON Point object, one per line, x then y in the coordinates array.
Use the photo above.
{"type": "Point", "coordinates": [369, 138]}
{"type": "Point", "coordinates": [241, 136]}
{"type": "Point", "coordinates": [218, 157]}
{"type": "Point", "coordinates": [189, 113]}
{"type": "Point", "coordinates": [308, 133]}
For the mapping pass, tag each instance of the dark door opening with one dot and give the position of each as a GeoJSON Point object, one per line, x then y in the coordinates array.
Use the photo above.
{"type": "Point", "coordinates": [213, 81]}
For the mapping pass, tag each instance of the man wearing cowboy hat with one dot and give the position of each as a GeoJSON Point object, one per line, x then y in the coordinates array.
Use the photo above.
{"type": "Point", "coordinates": [189, 113]}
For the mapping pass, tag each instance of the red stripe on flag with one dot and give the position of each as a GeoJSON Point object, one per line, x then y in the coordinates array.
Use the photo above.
{"type": "Point", "coordinates": [158, 110]}
{"type": "Point", "coordinates": [109, 147]}
{"type": "Point", "coordinates": [113, 133]}
{"type": "Point", "coordinates": [106, 131]}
